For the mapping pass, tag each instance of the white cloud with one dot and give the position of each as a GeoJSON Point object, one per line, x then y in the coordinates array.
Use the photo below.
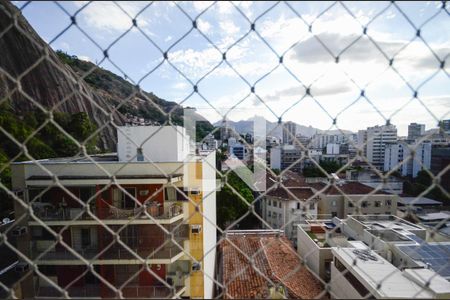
{"type": "Point", "coordinates": [199, 6]}
{"type": "Point", "coordinates": [204, 26]}
{"type": "Point", "coordinates": [195, 63]}
{"type": "Point", "coordinates": [109, 17]}
{"type": "Point", "coordinates": [229, 28]}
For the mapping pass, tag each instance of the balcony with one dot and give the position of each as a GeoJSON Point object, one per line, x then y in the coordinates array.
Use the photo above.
{"type": "Point", "coordinates": [114, 255]}
{"type": "Point", "coordinates": [95, 291]}
{"type": "Point", "coordinates": [168, 213]}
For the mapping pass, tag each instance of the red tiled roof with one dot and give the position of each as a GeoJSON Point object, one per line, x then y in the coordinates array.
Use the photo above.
{"type": "Point", "coordinates": [348, 188]}
{"type": "Point", "coordinates": [284, 263]}
{"type": "Point", "coordinates": [299, 193]}
{"type": "Point", "coordinates": [274, 259]}
{"type": "Point", "coordinates": [288, 179]}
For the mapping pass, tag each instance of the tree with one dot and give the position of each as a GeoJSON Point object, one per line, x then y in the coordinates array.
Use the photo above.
{"type": "Point", "coordinates": [230, 206]}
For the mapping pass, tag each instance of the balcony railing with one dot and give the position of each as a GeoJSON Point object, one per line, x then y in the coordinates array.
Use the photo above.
{"type": "Point", "coordinates": [95, 290]}
{"type": "Point", "coordinates": [168, 251]}
{"type": "Point", "coordinates": [167, 211]}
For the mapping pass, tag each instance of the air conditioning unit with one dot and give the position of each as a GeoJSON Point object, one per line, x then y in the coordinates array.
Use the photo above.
{"type": "Point", "coordinates": [21, 267]}
{"type": "Point", "coordinates": [19, 231]}
{"type": "Point", "coordinates": [195, 191]}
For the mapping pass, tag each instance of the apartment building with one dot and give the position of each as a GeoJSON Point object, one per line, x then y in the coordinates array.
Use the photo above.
{"type": "Point", "coordinates": [289, 132]}
{"type": "Point", "coordinates": [138, 217]}
{"type": "Point", "coordinates": [415, 131]}
{"type": "Point", "coordinates": [368, 177]}
{"type": "Point", "coordinates": [355, 255]}
{"type": "Point", "coordinates": [293, 157]}
{"type": "Point", "coordinates": [377, 138]}
{"type": "Point", "coordinates": [285, 207]}
{"type": "Point", "coordinates": [351, 197]}
{"type": "Point", "coordinates": [408, 159]}
{"type": "Point", "coordinates": [238, 150]}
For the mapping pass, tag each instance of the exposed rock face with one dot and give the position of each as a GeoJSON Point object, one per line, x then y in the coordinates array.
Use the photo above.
{"type": "Point", "coordinates": [33, 75]}
{"type": "Point", "coordinates": [42, 77]}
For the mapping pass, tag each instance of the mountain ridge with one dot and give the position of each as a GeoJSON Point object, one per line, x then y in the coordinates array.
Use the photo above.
{"type": "Point", "coordinates": [34, 78]}
{"type": "Point", "coordinates": [273, 128]}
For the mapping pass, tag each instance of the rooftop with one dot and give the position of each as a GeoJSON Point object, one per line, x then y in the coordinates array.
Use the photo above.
{"type": "Point", "coordinates": [372, 273]}
{"type": "Point", "coordinates": [435, 255]}
{"type": "Point", "coordinates": [302, 193]}
{"type": "Point", "coordinates": [288, 179]}
{"type": "Point", "coordinates": [443, 215]}
{"type": "Point", "coordinates": [415, 201]}
{"type": "Point", "coordinates": [348, 188]}
{"type": "Point", "coordinates": [275, 259]}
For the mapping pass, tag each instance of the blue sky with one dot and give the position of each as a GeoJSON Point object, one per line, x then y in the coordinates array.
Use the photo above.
{"type": "Point", "coordinates": [335, 87]}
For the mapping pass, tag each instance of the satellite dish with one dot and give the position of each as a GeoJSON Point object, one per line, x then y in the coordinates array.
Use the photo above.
{"type": "Point", "coordinates": [6, 220]}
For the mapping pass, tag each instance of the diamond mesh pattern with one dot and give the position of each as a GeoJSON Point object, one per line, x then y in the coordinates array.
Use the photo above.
{"type": "Point", "coordinates": [121, 240]}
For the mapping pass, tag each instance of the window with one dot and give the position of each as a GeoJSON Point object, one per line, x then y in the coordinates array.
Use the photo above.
{"type": "Point", "coordinates": [274, 215]}
{"type": "Point", "coordinates": [269, 214]}
{"type": "Point", "coordinates": [350, 204]}
{"type": "Point", "coordinates": [377, 203]}
{"type": "Point", "coordinates": [279, 204]}
{"type": "Point", "coordinates": [333, 214]}
{"type": "Point", "coordinates": [333, 203]}
{"type": "Point", "coordinates": [364, 204]}
{"type": "Point", "coordinates": [279, 216]}
{"type": "Point", "coordinates": [196, 266]}
{"type": "Point", "coordinates": [171, 194]}
{"type": "Point", "coordinates": [388, 202]}
{"type": "Point", "coordinates": [196, 229]}
{"type": "Point", "coordinates": [85, 237]}
{"type": "Point", "coordinates": [86, 193]}
{"type": "Point", "coordinates": [139, 155]}
{"type": "Point", "coordinates": [312, 206]}
{"type": "Point", "coordinates": [128, 198]}
{"type": "Point", "coordinates": [298, 205]}
{"type": "Point", "coordinates": [270, 202]}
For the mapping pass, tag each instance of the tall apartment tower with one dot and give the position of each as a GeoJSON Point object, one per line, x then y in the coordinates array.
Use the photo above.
{"type": "Point", "coordinates": [408, 163]}
{"type": "Point", "coordinates": [362, 141]}
{"type": "Point", "coordinates": [445, 126]}
{"type": "Point", "coordinates": [289, 132]}
{"type": "Point", "coordinates": [377, 138]}
{"type": "Point", "coordinates": [143, 219]}
{"type": "Point", "coordinates": [415, 130]}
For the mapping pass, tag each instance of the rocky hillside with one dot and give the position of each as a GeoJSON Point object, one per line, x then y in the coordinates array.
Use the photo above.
{"type": "Point", "coordinates": [34, 77]}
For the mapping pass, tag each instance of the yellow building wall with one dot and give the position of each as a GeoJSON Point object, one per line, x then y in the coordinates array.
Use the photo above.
{"type": "Point", "coordinates": [196, 240]}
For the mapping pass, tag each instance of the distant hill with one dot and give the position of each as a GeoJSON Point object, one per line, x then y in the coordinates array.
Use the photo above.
{"type": "Point", "coordinates": [55, 83]}
{"type": "Point", "coordinates": [274, 129]}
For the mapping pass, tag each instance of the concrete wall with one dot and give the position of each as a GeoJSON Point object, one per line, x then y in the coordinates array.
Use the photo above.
{"type": "Point", "coordinates": [340, 287]}
{"type": "Point", "coordinates": [313, 256]}
{"type": "Point", "coordinates": [275, 158]}
{"type": "Point", "coordinates": [158, 143]}
{"type": "Point", "coordinates": [209, 223]}
{"type": "Point", "coordinates": [339, 205]}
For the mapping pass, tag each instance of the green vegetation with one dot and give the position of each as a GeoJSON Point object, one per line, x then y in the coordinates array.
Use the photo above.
{"type": "Point", "coordinates": [418, 185]}
{"type": "Point", "coordinates": [231, 207]}
{"type": "Point", "coordinates": [40, 143]}
{"type": "Point", "coordinates": [328, 166]}
{"type": "Point", "coordinates": [115, 89]}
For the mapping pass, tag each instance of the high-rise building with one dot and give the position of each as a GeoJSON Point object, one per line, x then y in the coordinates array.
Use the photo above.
{"type": "Point", "coordinates": [409, 162]}
{"type": "Point", "coordinates": [377, 138]}
{"type": "Point", "coordinates": [362, 142]}
{"type": "Point", "coordinates": [445, 125]}
{"type": "Point", "coordinates": [415, 130]}
{"type": "Point", "coordinates": [137, 218]}
{"type": "Point", "coordinates": [289, 132]}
